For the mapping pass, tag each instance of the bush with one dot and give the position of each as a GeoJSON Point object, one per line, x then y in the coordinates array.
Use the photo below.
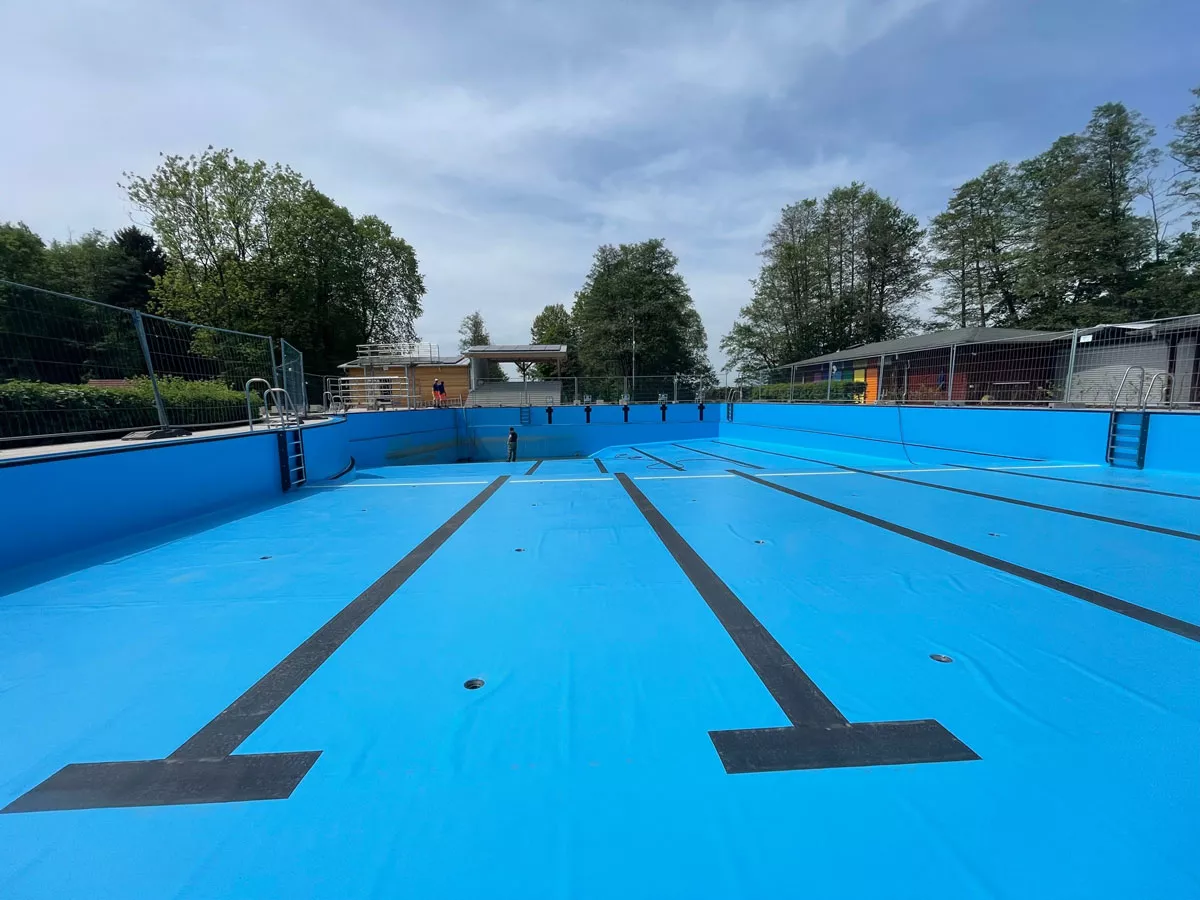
{"type": "Point", "coordinates": [809, 392]}
{"type": "Point", "coordinates": [32, 408]}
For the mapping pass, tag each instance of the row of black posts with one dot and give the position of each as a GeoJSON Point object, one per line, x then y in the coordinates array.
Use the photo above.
{"type": "Point", "coordinates": [587, 413]}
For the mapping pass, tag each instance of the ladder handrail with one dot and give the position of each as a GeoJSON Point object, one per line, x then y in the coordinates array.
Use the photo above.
{"type": "Point", "coordinates": [1167, 380]}
{"type": "Point", "coordinates": [249, 411]}
{"type": "Point", "coordinates": [1125, 378]}
{"type": "Point", "coordinates": [283, 402]}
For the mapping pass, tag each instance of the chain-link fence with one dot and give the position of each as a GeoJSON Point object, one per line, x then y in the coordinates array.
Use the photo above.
{"type": "Point", "coordinates": [72, 369]}
{"type": "Point", "coordinates": [1151, 364]}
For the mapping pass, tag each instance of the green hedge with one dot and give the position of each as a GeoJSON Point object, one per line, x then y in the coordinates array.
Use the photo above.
{"type": "Point", "coordinates": [32, 408]}
{"type": "Point", "coordinates": [808, 392]}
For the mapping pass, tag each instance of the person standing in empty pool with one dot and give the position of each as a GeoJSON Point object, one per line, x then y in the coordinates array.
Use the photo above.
{"type": "Point", "coordinates": [512, 444]}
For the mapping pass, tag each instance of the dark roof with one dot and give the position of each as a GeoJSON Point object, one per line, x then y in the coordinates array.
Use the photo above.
{"type": "Point", "coordinates": [517, 352]}
{"type": "Point", "coordinates": [379, 362]}
{"type": "Point", "coordinates": [934, 340]}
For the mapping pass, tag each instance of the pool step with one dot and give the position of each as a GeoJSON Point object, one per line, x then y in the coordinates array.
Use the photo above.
{"type": "Point", "coordinates": [1127, 433]}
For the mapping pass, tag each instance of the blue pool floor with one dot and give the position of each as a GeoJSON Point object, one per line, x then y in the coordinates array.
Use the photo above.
{"type": "Point", "coordinates": [589, 598]}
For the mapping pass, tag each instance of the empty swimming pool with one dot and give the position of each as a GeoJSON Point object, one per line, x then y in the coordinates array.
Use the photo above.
{"type": "Point", "coordinates": [716, 666]}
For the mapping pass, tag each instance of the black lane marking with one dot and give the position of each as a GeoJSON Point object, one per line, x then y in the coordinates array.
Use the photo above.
{"type": "Point", "coordinates": [1029, 504]}
{"type": "Point", "coordinates": [203, 770]}
{"type": "Point", "coordinates": [600, 466]}
{"type": "Point", "coordinates": [1079, 592]}
{"type": "Point", "coordinates": [534, 467]}
{"type": "Point", "coordinates": [859, 437]}
{"type": "Point", "coordinates": [1099, 484]}
{"type": "Point", "coordinates": [819, 737]}
{"type": "Point", "coordinates": [737, 462]}
{"type": "Point", "coordinates": [677, 468]}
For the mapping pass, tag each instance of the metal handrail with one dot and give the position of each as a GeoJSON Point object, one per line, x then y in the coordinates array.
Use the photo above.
{"type": "Point", "coordinates": [249, 411]}
{"type": "Point", "coordinates": [1167, 381]}
{"type": "Point", "coordinates": [1125, 378]}
{"type": "Point", "coordinates": [283, 402]}
{"type": "Point", "coordinates": [334, 405]}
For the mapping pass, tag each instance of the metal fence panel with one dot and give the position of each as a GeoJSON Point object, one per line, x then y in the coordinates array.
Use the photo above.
{"type": "Point", "coordinates": [291, 372]}
{"type": "Point", "coordinates": [69, 367]}
{"type": "Point", "coordinates": [202, 371]}
{"type": "Point", "coordinates": [1153, 364]}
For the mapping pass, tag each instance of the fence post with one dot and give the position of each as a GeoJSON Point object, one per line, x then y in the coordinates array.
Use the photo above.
{"type": "Point", "coordinates": [1071, 367]}
{"type": "Point", "coordinates": [879, 384]}
{"type": "Point", "coordinates": [676, 388]}
{"type": "Point", "coordinates": [950, 382]}
{"type": "Point", "coordinates": [158, 400]}
{"type": "Point", "coordinates": [275, 368]}
{"type": "Point", "coordinates": [792, 386]}
{"type": "Point", "coordinates": [829, 383]}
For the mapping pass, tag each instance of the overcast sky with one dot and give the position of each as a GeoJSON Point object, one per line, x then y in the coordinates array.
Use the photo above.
{"type": "Point", "coordinates": [506, 140]}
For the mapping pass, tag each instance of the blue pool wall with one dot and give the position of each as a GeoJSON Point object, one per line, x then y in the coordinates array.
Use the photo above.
{"type": "Point", "coordinates": [55, 507]}
{"type": "Point", "coordinates": [929, 435]}
{"type": "Point", "coordinates": [67, 505]}
{"type": "Point", "coordinates": [568, 433]}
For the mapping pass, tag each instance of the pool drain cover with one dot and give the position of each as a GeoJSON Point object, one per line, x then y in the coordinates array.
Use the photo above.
{"type": "Point", "coordinates": [939, 657]}
{"type": "Point", "coordinates": [473, 684]}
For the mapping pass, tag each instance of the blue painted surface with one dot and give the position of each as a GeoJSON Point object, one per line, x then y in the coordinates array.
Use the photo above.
{"type": "Point", "coordinates": [403, 437]}
{"type": "Point", "coordinates": [584, 768]}
{"type": "Point", "coordinates": [1174, 442]}
{"type": "Point", "coordinates": [63, 506]}
{"type": "Point", "coordinates": [928, 434]}
{"type": "Point", "coordinates": [326, 448]}
{"type": "Point", "coordinates": [569, 434]}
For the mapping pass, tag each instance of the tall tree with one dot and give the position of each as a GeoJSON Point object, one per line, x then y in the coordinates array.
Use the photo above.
{"type": "Point", "coordinates": [1185, 151]}
{"type": "Point", "coordinates": [472, 332]}
{"type": "Point", "coordinates": [136, 261]}
{"type": "Point", "coordinates": [553, 326]}
{"type": "Point", "coordinates": [836, 272]}
{"type": "Point", "coordinates": [634, 293]}
{"type": "Point", "coordinates": [258, 248]}
{"type": "Point", "coordinates": [973, 246]}
{"type": "Point", "coordinates": [22, 254]}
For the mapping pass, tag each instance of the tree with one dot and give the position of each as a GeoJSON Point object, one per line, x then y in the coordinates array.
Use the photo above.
{"type": "Point", "coordinates": [22, 254]}
{"type": "Point", "coordinates": [256, 247]}
{"type": "Point", "coordinates": [1185, 150]}
{"type": "Point", "coordinates": [634, 292]}
{"type": "Point", "coordinates": [1117, 143]}
{"type": "Point", "coordinates": [973, 252]}
{"type": "Point", "coordinates": [472, 332]}
{"type": "Point", "coordinates": [553, 326]}
{"type": "Point", "coordinates": [836, 272]}
{"type": "Point", "coordinates": [136, 261]}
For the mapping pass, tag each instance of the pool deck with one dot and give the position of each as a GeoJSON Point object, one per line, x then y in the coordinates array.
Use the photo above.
{"type": "Point", "coordinates": [708, 671]}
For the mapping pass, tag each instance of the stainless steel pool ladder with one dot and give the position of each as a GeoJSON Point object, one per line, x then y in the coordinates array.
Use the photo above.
{"type": "Point", "coordinates": [1129, 429]}
{"type": "Point", "coordinates": [291, 439]}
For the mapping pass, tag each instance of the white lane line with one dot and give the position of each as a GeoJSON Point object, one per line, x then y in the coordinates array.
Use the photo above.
{"type": "Point", "coordinates": [1056, 466]}
{"type": "Point", "coordinates": [552, 480]}
{"type": "Point", "coordinates": [677, 477]}
{"type": "Point", "coordinates": [804, 474]}
{"type": "Point", "coordinates": [389, 484]}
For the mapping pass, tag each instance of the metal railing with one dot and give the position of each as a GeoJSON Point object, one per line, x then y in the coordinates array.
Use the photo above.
{"type": "Point", "coordinates": [73, 369]}
{"type": "Point", "coordinates": [595, 390]}
{"type": "Point", "coordinates": [400, 352]}
{"type": "Point", "coordinates": [1086, 367]}
{"type": "Point", "coordinates": [370, 392]}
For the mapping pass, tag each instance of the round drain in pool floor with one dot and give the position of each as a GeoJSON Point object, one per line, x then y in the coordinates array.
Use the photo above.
{"type": "Point", "coordinates": [264, 557]}
{"type": "Point", "coordinates": [473, 684]}
{"type": "Point", "coordinates": [939, 657]}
